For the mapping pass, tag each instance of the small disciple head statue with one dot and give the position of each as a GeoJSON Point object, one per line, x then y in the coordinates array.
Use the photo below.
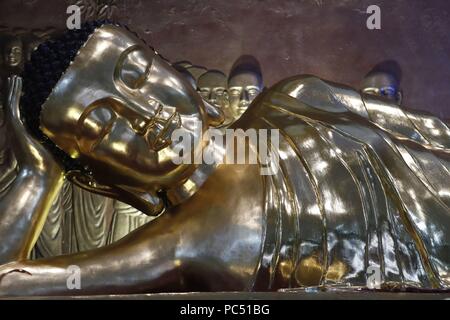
{"type": "Point", "coordinates": [212, 86]}
{"type": "Point", "coordinates": [244, 84]}
{"type": "Point", "coordinates": [14, 52]}
{"type": "Point", "coordinates": [384, 81]}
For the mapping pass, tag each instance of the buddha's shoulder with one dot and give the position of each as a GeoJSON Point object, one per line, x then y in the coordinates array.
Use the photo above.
{"type": "Point", "coordinates": [299, 85]}
{"type": "Point", "coordinates": [304, 82]}
{"type": "Point", "coordinates": [311, 97]}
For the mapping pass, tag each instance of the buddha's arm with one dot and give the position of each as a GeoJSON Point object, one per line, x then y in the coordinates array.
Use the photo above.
{"type": "Point", "coordinates": [143, 261]}
{"type": "Point", "coordinates": [210, 242]}
{"type": "Point", "coordinates": [25, 204]}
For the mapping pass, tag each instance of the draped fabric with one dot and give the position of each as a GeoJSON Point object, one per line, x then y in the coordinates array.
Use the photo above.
{"type": "Point", "coordinates": [361, 185]}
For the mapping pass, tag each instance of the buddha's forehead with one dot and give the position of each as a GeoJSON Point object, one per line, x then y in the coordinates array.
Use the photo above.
{"type": "Point", "coordinates": [104, 49]}
{"type": "Point", "coordinates": [93, 73]}
{"type": "Point", "coordinates": [110, 41]}
{"type": "Point", "coordinates": [91, 76]}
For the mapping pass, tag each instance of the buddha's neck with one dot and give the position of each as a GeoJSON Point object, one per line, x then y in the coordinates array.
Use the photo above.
{"type": "Point", "coordinates": [216, 150]}
{"type": "Point", "coordinates": [213, 151]}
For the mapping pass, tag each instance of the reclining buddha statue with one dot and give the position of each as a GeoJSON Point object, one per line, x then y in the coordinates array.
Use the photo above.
{"type": "Point", "coordinates": [360, 182]}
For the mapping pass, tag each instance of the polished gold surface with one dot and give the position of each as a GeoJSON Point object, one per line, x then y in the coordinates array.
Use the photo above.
{"type": "Point", "coordinates": [26, 201]}
{"type": "Point", "coordinates": [70, 225]}
{"type": "Point", "coordinates": [361, 183]}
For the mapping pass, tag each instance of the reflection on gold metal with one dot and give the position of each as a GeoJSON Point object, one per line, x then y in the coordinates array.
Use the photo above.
{"type": "Point", "coordinates": [59, 234]}
{"type": "Point", "coordinates": [27, 199]}
{"type": "Point", "coordinates": [309, 272]}
{"type": "Point", "coordinates": [360, 183]}
{"type": "Point", "coordinates": [336, 271]}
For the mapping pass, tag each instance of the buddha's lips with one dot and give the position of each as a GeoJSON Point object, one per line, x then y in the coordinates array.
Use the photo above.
{"type": "Point", "coordinates": [163, 136]}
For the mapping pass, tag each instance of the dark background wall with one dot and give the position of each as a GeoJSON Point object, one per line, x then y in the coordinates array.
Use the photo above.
{"type": "Point", "coordinates": [325, 38]}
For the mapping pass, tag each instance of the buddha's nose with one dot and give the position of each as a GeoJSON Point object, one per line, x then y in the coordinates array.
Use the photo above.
{"type": "Point", "coordinates": [140, 125]}
{"type": "Point", "coordinates": [144, 118]}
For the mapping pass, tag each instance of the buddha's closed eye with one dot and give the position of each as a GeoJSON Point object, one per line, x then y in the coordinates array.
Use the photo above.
{"type": "Point", "coordinates": [93, 126]}
{"type": "Point", "coordinates": [134, 68]}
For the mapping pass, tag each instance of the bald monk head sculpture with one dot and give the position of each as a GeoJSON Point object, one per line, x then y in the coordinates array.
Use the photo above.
{"type": "Point", "coordinates": [360, 184]}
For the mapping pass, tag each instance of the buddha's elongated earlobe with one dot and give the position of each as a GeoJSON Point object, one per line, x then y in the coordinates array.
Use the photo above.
{"type": "Point", "coordinates": [90, 184]}
{"type": "Point", "coordinates": [148, 203]}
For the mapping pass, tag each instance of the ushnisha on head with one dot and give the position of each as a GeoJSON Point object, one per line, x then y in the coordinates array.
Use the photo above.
{"type": "Point", "coordinates": [106, 104]}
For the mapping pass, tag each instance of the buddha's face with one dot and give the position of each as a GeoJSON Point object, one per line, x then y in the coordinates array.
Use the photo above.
{"type": "Point", "coordinates": [115, 109]}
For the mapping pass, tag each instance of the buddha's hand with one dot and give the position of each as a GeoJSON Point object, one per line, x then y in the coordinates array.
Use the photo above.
{"type": "Point", "coordinates": [7, 276]}
{"type": "Point", "coordinates": [29, 153]}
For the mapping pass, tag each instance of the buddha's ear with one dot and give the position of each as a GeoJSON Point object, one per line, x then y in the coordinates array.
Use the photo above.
{"type": "Point", "coordinates": [150, 204]}
{"type": "Point", "coordinates": [88, 183]}
{"type": "Point", "coordinates": [215, 115]}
